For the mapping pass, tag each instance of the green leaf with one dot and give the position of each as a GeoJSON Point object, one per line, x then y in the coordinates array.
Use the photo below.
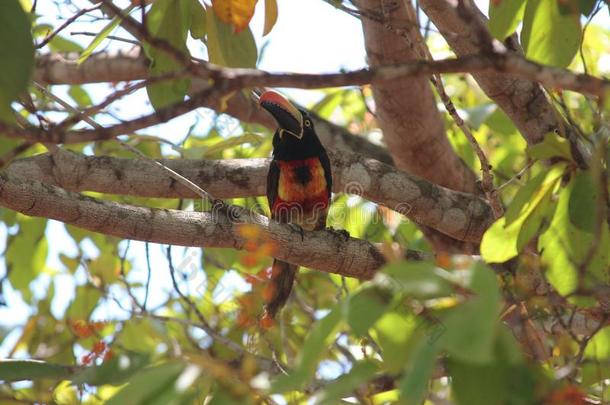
{"type": "Point", "coordinates": [365, 307]}
{"type": "Point", "coordinates": [214, 149]}
{"type": "Point", "coordinates": [148, 384]}
{"type": "Point", "coordinates": [504, 16]}
{"type": "Point", "coordinates": [509, 234]}
{"type": "Point", "coordinates": [506, 379]}
{"type": "Point", "coordinates": [414, 384]}
{"type": "Point", "coordinates": [228, 48]}
{"type": "Point", "coordinates": [551, 35]}
{"type": "Point", "coordinates": [16, 54]}
{"type": "Point", "coordinates": [392, 333]}
{"type": "Point", "coordinates": [19, 370]}
{"type": "Point", "coordinates": [198, 20]}
{"type": "Point", "coordinates": [499, 242]}
{"type": "Point", "coordinates": [65, 394]}
{"type": "Point", "coordinates": [169, 20]}
{"type": "Point", "coordinates": [115, 371]}
{"type": "Point", "coordinates": [27, 252]}
{"type": "Point", "coordinates": [99, 38]}
{"type": "Point", "coordinates": [421, 280]}
{"type": "Point", "coordinates": [61, 44]}
{"type": "Point", "coordinates": [552, 146]}
{"type": "Point", "coordinates": [586, 7]}
{"type": "Point", "coordinates": [567, 247]}
{"type": "Point", "coordinates": [582, 207]}
{"type": "Point", "coordinates": [317, 340]}
{"type": "Point", "coordinates": [79, 95]}
{"type": "Point", "coordinates": [471, 327]}
{"type": "Point", "coordinates": [347, 383]}
{"type": "Point", "coordinates": [85, 300]}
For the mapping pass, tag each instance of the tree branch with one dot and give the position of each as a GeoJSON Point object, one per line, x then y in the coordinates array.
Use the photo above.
{"type": "Point", "coordinates": [459, 215]}
{"type": "Point", "coordinates": [412, 126]}
{"type": "Point", "coordinates": [464, 28]}
{"type": "Point", "coordinates": [114, 67]}
{"type": "Point", "coordinates": [322, 250]}
{"type": "Point", "coordinates": [228, 80]}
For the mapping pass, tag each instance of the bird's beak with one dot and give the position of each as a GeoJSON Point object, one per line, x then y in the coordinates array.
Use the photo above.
{"type": "Point", "coordinates": [288, 117]}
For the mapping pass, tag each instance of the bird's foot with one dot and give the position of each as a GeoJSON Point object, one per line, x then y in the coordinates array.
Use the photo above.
{"type": "Point", "coordinates": [340, 232]}
{"type": "Point", "coordinates": [299, 229]}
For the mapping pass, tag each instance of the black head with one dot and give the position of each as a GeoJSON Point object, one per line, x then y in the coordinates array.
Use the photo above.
{"type": "Point", "coordinates": [295, 137]}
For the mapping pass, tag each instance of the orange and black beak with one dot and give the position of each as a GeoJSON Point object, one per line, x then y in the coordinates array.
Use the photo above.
{"type": "Point", "coordinates": [288, 117]}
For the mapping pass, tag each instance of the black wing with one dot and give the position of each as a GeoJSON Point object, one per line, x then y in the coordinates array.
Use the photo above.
{"type": "Point", "coordinates": [273, 179]}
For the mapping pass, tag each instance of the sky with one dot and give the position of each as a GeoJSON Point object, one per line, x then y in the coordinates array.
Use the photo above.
{"type": "Point", "coordinates": [310, 37]}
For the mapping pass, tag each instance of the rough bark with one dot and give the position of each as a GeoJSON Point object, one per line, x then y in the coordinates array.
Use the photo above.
{"type": "Point", "coordinates": [462, 216]}
{"type": "Point", "coordinates": [406, 108]}
{"type": "Point", "coordinates": [522, 100]}
{"type": "Point", "coordinates": [322, 250]}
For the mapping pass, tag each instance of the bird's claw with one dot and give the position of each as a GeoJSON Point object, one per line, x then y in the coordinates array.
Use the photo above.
{"type": "Point", "coordinates": [299, 229]}
{"type": "Point", "coordinates": [340, 232]}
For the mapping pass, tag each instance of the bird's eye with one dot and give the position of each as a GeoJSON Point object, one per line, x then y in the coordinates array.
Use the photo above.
{"type": "Point", "coordinates": [307, 123]}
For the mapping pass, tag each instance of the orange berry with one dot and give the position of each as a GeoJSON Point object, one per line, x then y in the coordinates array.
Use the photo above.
{"type": "Point", "coordinates": [251, 246]}
{"type": "Point", "coordinates": [108, 355]}
{"type": "Point", "coordinates": [249, 260]}
{"type": "Point", "coordinates": [251, 279]}
{"type": "Point", "coordinates": [87, 359]}
{"type": "Point", "coordinates": [99, 347]}
{"type": "Point", "coordinates": [267, 321]}
{"type": "Point", "coordinates": [268, 292]}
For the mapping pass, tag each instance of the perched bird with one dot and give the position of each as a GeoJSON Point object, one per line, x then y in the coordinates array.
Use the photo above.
{"type": "Point", "coordinates": [299, 184]}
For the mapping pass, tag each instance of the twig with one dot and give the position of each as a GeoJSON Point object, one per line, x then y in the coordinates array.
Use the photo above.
{"type": "Point", "coordinates": [66, 23]}
{"type": "Point", "coordinates": [113, 37]}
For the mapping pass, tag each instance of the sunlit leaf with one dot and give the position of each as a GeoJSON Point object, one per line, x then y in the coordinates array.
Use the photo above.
{"type": "Point", "coordinates": [99, 38]}
{"type": "Point", "coordinates": [508, 235]}
{"type": "Point", "coordinates": [552, 146]}
{"type": "Point", "coordinates": [504, 16]}
{"type": "Point", "coordinates": [392, 333]}
{"type": "Point", "coordinates": [551, 32]}
{"type": "Point", "coordinates": [569, 249]}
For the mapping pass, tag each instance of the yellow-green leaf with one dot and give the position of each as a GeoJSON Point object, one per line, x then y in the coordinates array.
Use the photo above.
{"type": "Point", "coordinates": [551, 32]}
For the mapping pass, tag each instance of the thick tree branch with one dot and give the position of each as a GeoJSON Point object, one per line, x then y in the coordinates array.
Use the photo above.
{"type": "Point", "coordinates": [464, 28]}
{"type": "Point", "coordinates": [322, 250]}
{"type": "Point", "coordinates": [459, 215]}
{"type": "Point", "coordinates": [412, 126]}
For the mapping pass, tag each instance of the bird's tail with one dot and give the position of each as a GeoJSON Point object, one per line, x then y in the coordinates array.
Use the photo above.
{"type": "Point", "coordinates": [282, 279]}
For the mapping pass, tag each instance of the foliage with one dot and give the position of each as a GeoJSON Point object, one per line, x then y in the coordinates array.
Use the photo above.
{"type": "Point", "coordinates": [113, 321]}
